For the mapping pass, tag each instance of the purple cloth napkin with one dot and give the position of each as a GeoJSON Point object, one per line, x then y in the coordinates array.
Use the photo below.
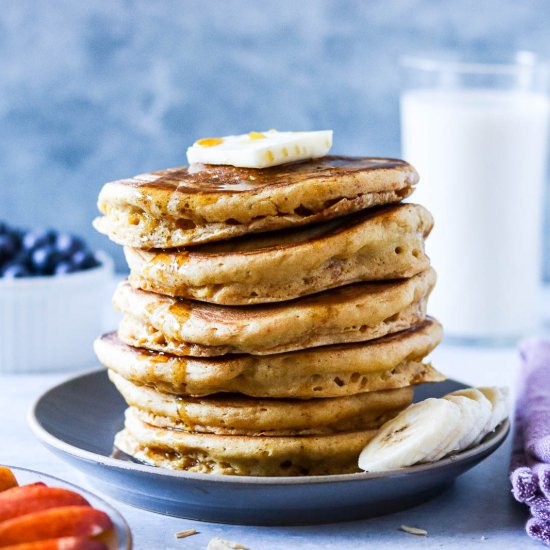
{"type": "Point", "coordinates": [530, 462]}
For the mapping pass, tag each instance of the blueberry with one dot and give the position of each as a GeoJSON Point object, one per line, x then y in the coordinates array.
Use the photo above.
{"type": "Point", "coordinates": [17, 236]}
{"type": "Point", "coordinates": [62, 268]}
{"type": "Point", "coordinates": [83, 259]}
{"type": "Point", "coordinates": [23, 257]}
{"type": "Point", "coordinates": [3, 227]}
{"type": "Point", "coordinates": [38, 238]}
{"type": "Point", "coordinates": [29, 241]}
{"type": "Point", "coordinates": [44, 260]}
{"type": "Point", "coordinates": [67, 244]}
{"type": "Point", "coordinates": [8, 247]}
{"type": "Point", "coordinates": [15, 271]}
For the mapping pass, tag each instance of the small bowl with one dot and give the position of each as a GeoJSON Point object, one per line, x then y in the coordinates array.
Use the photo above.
{"type": "Point", "coordinates": [49, 323]}
{"type": "Point", "coordinates": [119, 539]}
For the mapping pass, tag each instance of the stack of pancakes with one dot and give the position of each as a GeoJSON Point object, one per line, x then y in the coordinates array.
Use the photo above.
{"type": "Point", "coordinates": [273, 318]}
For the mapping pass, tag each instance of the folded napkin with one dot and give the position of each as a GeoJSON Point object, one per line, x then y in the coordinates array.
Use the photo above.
{"type": "Point", "coordinates": [530, 463]}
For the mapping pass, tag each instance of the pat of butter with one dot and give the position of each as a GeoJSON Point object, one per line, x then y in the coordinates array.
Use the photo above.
{"type": "Point", "coordinates": [260, 149]}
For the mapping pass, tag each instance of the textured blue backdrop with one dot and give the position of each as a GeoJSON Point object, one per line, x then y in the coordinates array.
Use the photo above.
{"type": "Point", "coordinates": [93, 91]}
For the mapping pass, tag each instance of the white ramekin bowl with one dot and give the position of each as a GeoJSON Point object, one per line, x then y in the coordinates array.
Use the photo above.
{"type": "Point", "coordinates": [50, 323]}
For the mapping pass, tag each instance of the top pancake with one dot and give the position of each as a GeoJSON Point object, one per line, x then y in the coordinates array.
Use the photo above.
{"type": "Point", "coordinates": [191, 205]}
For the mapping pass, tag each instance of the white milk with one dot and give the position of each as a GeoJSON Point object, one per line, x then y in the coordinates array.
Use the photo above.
{"type": "Point", "coordinates": [481, 158]}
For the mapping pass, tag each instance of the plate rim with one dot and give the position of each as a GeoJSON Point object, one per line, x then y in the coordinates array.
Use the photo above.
{"type": "Point", "coordinates": [127, 543]}
{"type": "Point", "coordinates": [492, 440]}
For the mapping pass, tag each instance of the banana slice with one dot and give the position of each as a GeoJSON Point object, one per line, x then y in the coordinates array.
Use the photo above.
{"type": "Point", "coordinates": [479, 396]}
{"type": "Point", "coordinates": [500, 402]}
{"type": "Point", "coordinates": [423, 432]}
{"type": "Point", "coordinates": [476, 412]}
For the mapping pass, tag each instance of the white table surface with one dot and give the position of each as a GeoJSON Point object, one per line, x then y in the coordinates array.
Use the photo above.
{"type": "Point", "coordinates": [478, 512]}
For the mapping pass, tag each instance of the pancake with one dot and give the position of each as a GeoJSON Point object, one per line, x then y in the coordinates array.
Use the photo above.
{"type": "Point", "coordinates": [242, 455]}
{"type": "Point", "coordinates": [378, 244]}
{"type": "Point", "coordinates": [235, 414]}
{"type": "Point", "coordinates": [391, 362]}
{"type": "Point", "coordinates": [190, 205]}
{"type": "Point", "coordinates": [354, 313]}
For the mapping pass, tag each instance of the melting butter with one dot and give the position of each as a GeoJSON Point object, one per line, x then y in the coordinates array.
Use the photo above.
{"type": "Point", "coordinates": [260, 149]}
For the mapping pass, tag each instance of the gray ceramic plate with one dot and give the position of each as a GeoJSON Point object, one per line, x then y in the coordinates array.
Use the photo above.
{"type": "Point", "coordinates": [78, 419]}
{"type": "Point", "coordinates": [120, 539]}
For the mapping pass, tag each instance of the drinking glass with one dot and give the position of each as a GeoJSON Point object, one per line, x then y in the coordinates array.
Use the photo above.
{"type": "Point", "coordinates": [477, 132]}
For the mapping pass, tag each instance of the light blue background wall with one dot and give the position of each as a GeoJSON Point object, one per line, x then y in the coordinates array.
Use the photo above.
{"type": "Point", "coordinates": [93, 91]}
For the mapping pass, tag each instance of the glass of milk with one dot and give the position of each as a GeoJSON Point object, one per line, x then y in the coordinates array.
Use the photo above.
{"type": "Point", "coordinates": [478, 135]}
